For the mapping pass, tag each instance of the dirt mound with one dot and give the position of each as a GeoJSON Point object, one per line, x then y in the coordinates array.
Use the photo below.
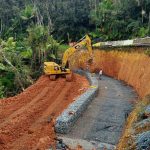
{"type": "Point", "coordinates": [27, 120]}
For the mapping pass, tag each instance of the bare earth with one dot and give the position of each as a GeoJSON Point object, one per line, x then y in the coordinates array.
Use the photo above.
{"type": "Point", "coordinates": [27, 120]}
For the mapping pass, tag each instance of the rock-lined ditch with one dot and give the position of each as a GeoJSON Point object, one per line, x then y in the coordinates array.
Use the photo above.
{"type": "Point", "coordinates": [102, 123]}
{"type": "Point", "coordinates": [131, 65]}
{"type": "Point", "coordinates": [67, 119]}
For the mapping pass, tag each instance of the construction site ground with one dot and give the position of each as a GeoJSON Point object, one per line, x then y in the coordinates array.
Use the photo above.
{"type": "Point", "coordinates": [105, 117]}
{"type": "Point", "coordinates": [27, 120]}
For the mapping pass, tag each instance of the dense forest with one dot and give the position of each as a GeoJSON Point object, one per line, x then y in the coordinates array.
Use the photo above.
{"type": "Point", "coordinates": [33, 31]}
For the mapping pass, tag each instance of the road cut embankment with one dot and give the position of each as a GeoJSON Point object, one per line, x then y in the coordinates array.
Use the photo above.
{"type": "Point", "coordinates": [132, 66]}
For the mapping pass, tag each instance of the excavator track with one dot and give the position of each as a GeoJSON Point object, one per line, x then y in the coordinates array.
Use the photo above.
{"type": "Point", "coordinates": [53, 77]}
{"type": "Point", "coordinates": [69, 77]}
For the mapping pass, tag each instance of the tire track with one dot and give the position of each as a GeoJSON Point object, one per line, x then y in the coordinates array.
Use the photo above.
{"type": "Point", "coordinates": [54, 107]}
{"type": "Point", "coordinates": [28, 126]}
{"type": "Point", "coordinates": [13, 103]}
{"type": "Point", "coordinates": [43, 120]}
{"type": "Point", "coordinates": [27, 117]}
{"type": "Point", "coordinates": [16, 114]}
{"type": "Point", "coordinates": [24, 121]}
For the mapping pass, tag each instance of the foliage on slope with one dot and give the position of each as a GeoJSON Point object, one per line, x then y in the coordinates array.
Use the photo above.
{"type": "Point", "coordinates": [71, 19]}
{"type": "Point", "coordinates": [138, 124]}
{"type": "Point", "coordinates": [121, 19]}
{"type": "Point", "coordinates": [22, 56]}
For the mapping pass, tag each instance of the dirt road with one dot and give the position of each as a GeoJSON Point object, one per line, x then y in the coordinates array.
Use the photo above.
{"type": "Point", "coordinates": [26, 120]}
{"type": "Point", "coordinates": [105, 117]}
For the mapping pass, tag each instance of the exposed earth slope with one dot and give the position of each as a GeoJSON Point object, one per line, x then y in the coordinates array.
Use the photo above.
{"type": "Point", "coordinates": [26, 120]}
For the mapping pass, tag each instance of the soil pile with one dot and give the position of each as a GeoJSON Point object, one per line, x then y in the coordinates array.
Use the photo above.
{"type": "Point", "coordinates": [27, 120]}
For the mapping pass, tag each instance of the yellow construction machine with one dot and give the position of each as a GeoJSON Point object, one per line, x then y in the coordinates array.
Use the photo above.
{"type": "Point", "coordinates": [53, 69]}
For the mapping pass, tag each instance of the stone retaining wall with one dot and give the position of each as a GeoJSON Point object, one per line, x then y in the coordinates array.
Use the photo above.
{"type": "Point", "coordinates": [67, 119]}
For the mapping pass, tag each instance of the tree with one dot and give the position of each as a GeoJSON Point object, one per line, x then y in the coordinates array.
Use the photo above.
{"type": "Point", "coordinates": [9, 64]}
{"type": "Point", "coordinates": [121, 19]}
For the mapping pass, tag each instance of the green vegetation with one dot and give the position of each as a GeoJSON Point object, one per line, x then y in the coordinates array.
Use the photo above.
{"type": "Point", "coordinates": [70, 19]}
{"type": "Point", "coordinates": [147, 52]}
{"type": "Point", "coordinates": [121, 19]}
{"type": "Point", "coordinates": [23, 49]}
{"type": "Point", "coordinates": [137, 123]}
{"type": "Point", "coordinates": [34, 31]}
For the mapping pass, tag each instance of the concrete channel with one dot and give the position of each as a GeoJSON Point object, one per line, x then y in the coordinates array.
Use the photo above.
{"type": "Point", "coordinates": [101, 124]}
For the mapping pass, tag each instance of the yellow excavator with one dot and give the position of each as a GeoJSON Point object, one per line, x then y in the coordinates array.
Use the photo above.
{"type": "Point", "coordinates": [53, 69]}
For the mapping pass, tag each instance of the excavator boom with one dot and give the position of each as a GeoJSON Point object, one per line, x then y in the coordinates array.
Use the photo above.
{"type": "Point", "coordinates": [85, 41]}
{"type": "Point", "coordinates": [52, 69]}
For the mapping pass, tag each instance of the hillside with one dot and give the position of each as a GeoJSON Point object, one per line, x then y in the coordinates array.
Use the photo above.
{"type": "Point", "coordinates": [27, 120]}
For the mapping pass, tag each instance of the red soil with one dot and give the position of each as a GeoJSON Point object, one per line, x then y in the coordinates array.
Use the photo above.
{"type": "Point", "coordinates": [133, 67]}
{"type": "Point", "coordinates": [27, 120]}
